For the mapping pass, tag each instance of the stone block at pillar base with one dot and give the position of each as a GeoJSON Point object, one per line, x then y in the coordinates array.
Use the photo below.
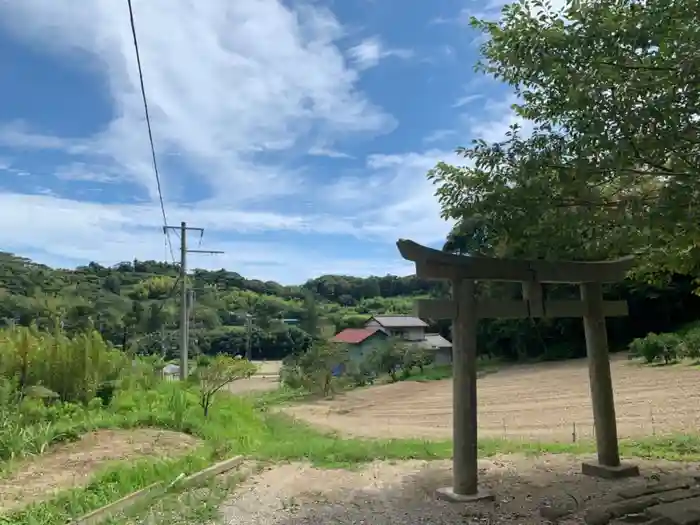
{"type": "Point", "coordinates": [595, 469]}
{"type": "Point", "coordinates": [448, 494]}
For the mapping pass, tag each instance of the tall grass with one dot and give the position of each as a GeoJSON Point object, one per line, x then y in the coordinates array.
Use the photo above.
{"type": "Point", "coordinates": [52, 387]}
{"type": "Point", "coordinates": [72, 368]}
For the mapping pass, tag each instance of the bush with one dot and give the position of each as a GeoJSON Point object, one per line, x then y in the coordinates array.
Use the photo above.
{"type": "Point", "coordinates": [316, 369]}
{"type": "Point", "coordinates": [690, 346]}
{"type": "Point", "coordinates": [360, 373]}
{"type": "Point", "coordinates": [74, 368]}
{"type": "Point", "coordinates": [416, 357]}
{"type": "Point", "coordinates": [388, 358]}
{"type": "Point", "coordinates": [657, 347]}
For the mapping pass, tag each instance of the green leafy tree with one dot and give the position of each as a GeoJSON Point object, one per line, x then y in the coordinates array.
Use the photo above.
{"type": "Point", "coordinates": [310, 321]}
{"type": "Point", "coordinates": [609, 89]}
{"type": "Point", "coordinates": [318, 364]}
{"type": "Point", "coordinates": [388, 357]}
{"type": "Point", "coordinates": [216, 374]}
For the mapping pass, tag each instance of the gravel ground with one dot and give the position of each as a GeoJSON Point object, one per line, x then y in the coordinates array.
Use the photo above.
{"type": "Point", "coordinates": [384, 493]}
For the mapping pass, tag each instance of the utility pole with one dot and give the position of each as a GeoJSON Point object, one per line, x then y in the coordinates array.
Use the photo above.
{"type": "Point", "coordinates": [248, 334]}
{"type": "Point", "coordinates": [190, 312]}
{"type": "Point", "coordinates": [183, 290]}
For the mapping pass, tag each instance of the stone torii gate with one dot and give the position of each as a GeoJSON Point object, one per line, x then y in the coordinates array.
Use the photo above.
{"type": "Point", "coordinates": [464, 309]}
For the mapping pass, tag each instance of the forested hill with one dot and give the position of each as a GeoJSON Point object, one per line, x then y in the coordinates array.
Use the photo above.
{"type": "Point", "coordinates": [136, 304]}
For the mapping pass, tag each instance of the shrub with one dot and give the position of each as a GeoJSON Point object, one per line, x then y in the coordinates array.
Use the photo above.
{"type": "Point", "coordinates": [291, 374]}
{"type": "Point", "coordinates": [388, 358]}
{"type": "Point", "coordinates": [690, 346]}
{"type": "Point", "coordinates": [319, 364]}
{"type": "Point", "coordinates": [657, 347]}
{"type": "Point", "coordinates": [219, 372]}
{"type": "Point", "coordinates": [73, 368]}
{"type": "Point", "coordinates": [361, 372]}
{"type": "Point", "coordinates": [416, 357]}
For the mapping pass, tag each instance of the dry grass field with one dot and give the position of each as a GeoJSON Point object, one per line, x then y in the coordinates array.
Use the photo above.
{"type": "Point", "coordinates": [541, 402]}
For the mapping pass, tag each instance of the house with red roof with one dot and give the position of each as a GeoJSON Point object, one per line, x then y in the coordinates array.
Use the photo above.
{"type": "Point", "coordinates": [361, 340]}
{"type": "Point", "coordinates": [408, 328]}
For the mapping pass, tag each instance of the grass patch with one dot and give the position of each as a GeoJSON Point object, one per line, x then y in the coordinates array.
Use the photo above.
{"type": "Point", "coordinates": [438, 372]}
{"type": "Point", "coordinates": [433, 373]}
{"type": "Point", "coordinates": [194, 506]}
{"type": "Point", "coordinates": [237, 426]}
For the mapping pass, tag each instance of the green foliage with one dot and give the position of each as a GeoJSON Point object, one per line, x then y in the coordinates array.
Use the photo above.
{"type": "Point", "coordinates": [656, 347]}
{"type": "Point", "coordinates": [593, 173]}
{"type": "Point", "coordinates": [216, 374]}
{"type": "Point", "coordinates": [74, 368]}
{"type": "Point", "coordinates": [317, 365]}
{"type": "Point", "coordinates": [360, 372]}
{"type": "Point", "coordinates": [667, 347]}
{"type": "Point", "coordinates": [389, 357]}
{"type": "Point", "coordinates": [133, 306]}
{"type": "Point", "coordinates": [416, 357]}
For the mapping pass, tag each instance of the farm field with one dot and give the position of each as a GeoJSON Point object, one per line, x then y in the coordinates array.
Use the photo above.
{"type": "Point", "coordinates": [535, 402]}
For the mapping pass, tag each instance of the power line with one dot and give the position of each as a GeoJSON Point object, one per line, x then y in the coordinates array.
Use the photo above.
{"type": "Point", "coordinates": [166, 230]}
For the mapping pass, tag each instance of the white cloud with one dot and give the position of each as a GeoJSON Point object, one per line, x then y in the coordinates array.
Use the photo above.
{"type": "Point", "coordinates": [500, 117]}
{"type": "Point", "coordinates": [61, 231]}
{"type": "Point", "coordinates": [79, 171]}
{"type": "Point", "coordinates": [439, 135]}
{"type": "Point", "coordinates": [371, 51]}
{"type": "Point", "coordinates": [467, 99]}
{"type": "Point", "coordinates": [226, 82]}
{"type": "Point", "coordinates": [328, 152]}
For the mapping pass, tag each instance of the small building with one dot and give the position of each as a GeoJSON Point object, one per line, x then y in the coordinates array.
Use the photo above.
{"type": "Point", "coordinates": [379, 328]}
{"type": "Point", "coordinates": [441, 346]}
{"type": "Point", "coordinates": [360, 341]}
{"type": "Point", "coordinates": [403, 326]}
{"type": "Point", "coordinates": [171, 372]}
{"type": "Point", "coordinates": [412, 329]}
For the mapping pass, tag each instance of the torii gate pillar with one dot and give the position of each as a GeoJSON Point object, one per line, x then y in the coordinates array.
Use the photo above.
{"type": "Point", "coordinates": [464, 309]}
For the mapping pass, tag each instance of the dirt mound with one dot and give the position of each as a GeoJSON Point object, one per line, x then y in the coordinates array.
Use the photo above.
{"type": "Point", "coordinates": [73, 464]}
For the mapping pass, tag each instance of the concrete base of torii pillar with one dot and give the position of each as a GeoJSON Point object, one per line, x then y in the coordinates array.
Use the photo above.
{"type": "Point", "coordinates": [448, 494]}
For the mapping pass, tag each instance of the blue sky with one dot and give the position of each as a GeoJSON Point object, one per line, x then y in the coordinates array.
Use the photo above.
{"type": "Point", "coordinates": [298, 134]}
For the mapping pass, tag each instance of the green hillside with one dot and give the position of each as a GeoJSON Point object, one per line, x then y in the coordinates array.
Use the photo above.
{"type": "Point", "coordinates": [135, 305]}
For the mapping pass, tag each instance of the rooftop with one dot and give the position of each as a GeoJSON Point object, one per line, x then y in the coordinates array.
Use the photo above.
{"type": "Point", "coordinates": [399, 321]}
{"type": "Point", "coordinates": [354, 336]}
{"type": "Point", "coordinates": [435, 341]}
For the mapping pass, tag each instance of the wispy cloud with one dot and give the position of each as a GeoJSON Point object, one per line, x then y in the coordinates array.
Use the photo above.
{"type": "Point", "coordinates": [371, 51]}
{"type": "Point", "coordinates": [245, 97]}
{"type": "Point", "coordinates": [327, 152]}
{"type": "Point", "coordinates": [227, 84]}
{"type": "Point", "coordinates": [467, 99]}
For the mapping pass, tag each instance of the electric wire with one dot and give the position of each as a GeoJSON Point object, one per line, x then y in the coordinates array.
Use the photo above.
{"type": "Point", "coordinates": [166, 229]}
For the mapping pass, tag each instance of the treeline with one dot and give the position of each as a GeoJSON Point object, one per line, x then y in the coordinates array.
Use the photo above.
{"type": "Point", "coordinates": [135, 305]}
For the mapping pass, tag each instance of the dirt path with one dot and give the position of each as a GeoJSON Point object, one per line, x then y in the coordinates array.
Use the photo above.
{"type": "Point", "coordinates": [541, 401]}
{"type": "Point", "coordinates": [266, 378]}
{"type": "Point", "coordinates": [403, 493]}
{"type": "Point", "coordinates": [73, 464]}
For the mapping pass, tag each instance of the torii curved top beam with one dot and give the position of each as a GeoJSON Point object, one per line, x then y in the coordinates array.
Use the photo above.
{"type": "Point", "coordinates": [435, 264]}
